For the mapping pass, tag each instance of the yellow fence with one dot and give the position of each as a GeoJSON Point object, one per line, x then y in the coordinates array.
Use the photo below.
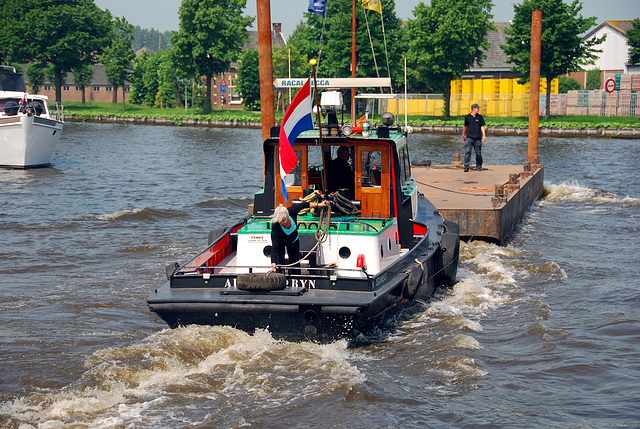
{"type": "Point", "coordinates": [497, 97]}
{"type": "Point", "coordinates": [417, 105]}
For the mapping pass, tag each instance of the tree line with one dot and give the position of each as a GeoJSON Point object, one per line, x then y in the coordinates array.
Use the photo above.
{"type": "Point", "coordinates": [443, 40]}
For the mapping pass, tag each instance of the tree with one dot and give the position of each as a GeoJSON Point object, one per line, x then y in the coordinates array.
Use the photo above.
{"type": "Point", "coordinates": [62, 34]}
{"type": "Point", "coordinates": [36, 75]}
{"type": "Point", "coordinates": [117, 57]}
{"type": "Point", "coordinates": [445, 40]}
{"type": "Point", "coordinates": [594, 79]}
{"type": "Point", "coordinates": [136, 78]}
{"type": "Point", "coordinates": [249, 79]}
{"type": "Point", "coordinates": [334, 50]}
{"type": "Point", "coordinates": [151, 38]}
{"type": "Point", "coordinates": [167, 95]}
{"type": "Point", "coordinates": [567, 83]}
{"type": "Point", "coordinates": [563, 50]}
{"type": "Point", "coordinates": [82, 77]}
{"type": "Point", "coordinates": [633, 40]}
{"type": "Point", "coordinates": [211, 35]}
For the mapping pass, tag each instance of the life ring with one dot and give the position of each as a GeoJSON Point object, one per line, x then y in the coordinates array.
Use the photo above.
{"type": "Point", "coordinates": [413, 282]}
{"type": "Point", "coordinates": [261, 282]}
{"type": "Point", "coordinates": [448, 262]}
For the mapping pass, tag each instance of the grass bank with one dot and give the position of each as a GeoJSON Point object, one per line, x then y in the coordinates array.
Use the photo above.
{"type": "Point", "coordinates": [95, 110]}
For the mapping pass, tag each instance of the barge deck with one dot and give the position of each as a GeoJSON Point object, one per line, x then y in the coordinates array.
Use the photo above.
{"type": "Point", "coordinates": [486, 204]}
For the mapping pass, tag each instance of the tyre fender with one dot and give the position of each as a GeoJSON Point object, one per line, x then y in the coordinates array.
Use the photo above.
{"type": "Point", "coordinates": [448, 263]}
{"type": "Point", "coordinates": [413, 282]}
{"type": "Point", "coordinates": [261, 282]}
{"type": "Point", "coordinates": [214, 234]}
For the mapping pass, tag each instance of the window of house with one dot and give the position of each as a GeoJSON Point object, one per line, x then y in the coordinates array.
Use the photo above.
{"type": "Point", "coordinates": [65, 88]}
{"type": "Point", "coordinates": [96, 89]}
{"type": "Point", "coordinates": [108, 89]}
{"type": "Point", "coordinates": [234, 95]}
{"type": "Point", "coordinates": [78, 88]}
{"type": "Point", "coordinates": [47, 87]}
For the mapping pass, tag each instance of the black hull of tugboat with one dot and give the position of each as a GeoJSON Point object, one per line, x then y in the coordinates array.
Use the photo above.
{"type": "Point", "coordinates": [395, 251]}
{"type": "Point", "coordinates": [319, 314]}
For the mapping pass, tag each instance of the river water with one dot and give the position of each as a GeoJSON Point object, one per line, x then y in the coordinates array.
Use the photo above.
{"type": "Point", "coordinates": [543, 332]}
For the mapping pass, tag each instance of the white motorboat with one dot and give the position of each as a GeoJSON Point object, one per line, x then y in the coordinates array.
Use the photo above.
{"type": "Point", "coordinates": [29, 129]}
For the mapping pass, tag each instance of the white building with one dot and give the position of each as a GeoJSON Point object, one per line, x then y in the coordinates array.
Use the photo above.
{"type": "Point", "coordinates": [615, 51]}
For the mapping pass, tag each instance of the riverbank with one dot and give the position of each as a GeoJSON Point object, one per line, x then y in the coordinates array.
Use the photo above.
{"type": "Point", "coordinates": [608, 132]}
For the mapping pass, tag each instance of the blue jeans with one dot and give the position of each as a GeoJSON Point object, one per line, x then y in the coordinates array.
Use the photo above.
{"type": "Point", "coordinates": [469, 145]}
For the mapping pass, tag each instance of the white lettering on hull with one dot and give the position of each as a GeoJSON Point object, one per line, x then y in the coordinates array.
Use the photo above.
{"type": "Point", "coordinates": [294, 283]}
{"type": "Point", "coordinates": [302, 283]}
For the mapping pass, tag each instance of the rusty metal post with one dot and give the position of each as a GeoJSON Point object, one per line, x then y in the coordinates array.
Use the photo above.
{"type": "Point", "coordinates": [534, 88]}
{"type": "Point", "coordinates": [456, 159]}
{"type": "Point", "coordinates": [268, 115]}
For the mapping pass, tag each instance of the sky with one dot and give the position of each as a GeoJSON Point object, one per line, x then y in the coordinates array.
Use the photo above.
{"type": "Point", "coordinates": [163, 14]}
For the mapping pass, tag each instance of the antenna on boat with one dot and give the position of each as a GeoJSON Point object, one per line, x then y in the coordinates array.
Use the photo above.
{"type": "Point", "coordinates": [313, 63]}
{"type": "Point", "coordinates": [405, 93]}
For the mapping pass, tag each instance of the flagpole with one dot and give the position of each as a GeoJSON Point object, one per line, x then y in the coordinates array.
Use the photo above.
{"type": "Point", "coordinates": [353, 62]}
{"type": "Point", "coordinates": [313, 63]}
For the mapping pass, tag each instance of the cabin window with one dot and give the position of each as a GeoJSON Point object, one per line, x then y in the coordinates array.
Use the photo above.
{"type": "Point", "coordinates": [340, 169]}
{"type": "Point", "coordinates": [315, 167]}
{"type": "Point", "coordinates": [405, 165]}
{"type": "Point", "coordinates": [371, 168]}
{"type": "Point", "coordinates": [65, 88]}
{"type": "Point", "coordinates": [295, 177]}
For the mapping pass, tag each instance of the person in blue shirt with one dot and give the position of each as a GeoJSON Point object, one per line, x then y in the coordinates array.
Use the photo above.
{"type": "Point", "coordinates": [473, 135]}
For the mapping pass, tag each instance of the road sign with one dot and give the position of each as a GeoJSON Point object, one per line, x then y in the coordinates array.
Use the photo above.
{"type": "Point", "coordinates": [223, 87]}
{"type": "Point", "coordinates": [610, 85]}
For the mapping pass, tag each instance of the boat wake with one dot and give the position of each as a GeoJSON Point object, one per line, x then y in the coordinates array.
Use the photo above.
{"type": "Point", "coordinates": [573, 191]}
{"type": "Point", "coordinates": [145, 214]}
{"type": "Point", "coordinates": [489, 288]}
{"type": "Point", "coordinates": [142, 384]}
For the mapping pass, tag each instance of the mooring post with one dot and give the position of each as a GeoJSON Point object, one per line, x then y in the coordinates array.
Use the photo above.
{"type": "Point", "coordinates": [268, 115]}
{"type": "Point", "coordinates": [534, 86]}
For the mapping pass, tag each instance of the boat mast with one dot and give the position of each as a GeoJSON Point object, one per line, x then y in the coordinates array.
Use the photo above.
{"type": "Point", "coordinates": [353, 62]}
{"type": "Point", "coordinates": [266, 67]}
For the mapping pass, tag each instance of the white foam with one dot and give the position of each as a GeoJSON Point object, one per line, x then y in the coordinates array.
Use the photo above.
{"type": "Point", "coordinates": [574, 191]}
{"type": "Point", "coordinates": [126, 385]}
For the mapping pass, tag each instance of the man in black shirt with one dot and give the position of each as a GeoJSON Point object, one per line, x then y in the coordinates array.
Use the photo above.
{"type": "Point", "coordinates": [473, 135]}
{"type": "Point", "coordinates": [340, 174]}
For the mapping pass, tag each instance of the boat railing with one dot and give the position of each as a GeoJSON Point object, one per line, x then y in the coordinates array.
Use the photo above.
{"type": "Point", "coordinates": [332, 271]}
{"type": "Point", "coordinates": [58, 114]}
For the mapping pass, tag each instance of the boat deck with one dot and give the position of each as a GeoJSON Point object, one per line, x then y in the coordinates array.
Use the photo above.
{"type": "Point", "coordinates": [487, 204]}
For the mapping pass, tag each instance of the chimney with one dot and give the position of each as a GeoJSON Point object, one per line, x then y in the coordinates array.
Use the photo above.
{"type": "Point", "coordinates": [277, 27]}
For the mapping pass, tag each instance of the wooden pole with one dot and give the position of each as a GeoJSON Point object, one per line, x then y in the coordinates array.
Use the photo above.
{"type": "Point", "coordinates": [534, 86]}
{"type": "Point", "coordinates": [313, 63]}
{"type": "Point", "coordinates": [266, 67]}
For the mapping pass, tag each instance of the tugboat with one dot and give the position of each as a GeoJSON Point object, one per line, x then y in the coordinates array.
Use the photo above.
{"type": "Point", "coordinates": [29, 129]}
{"type": "Point", "coordinates": [381, 246]}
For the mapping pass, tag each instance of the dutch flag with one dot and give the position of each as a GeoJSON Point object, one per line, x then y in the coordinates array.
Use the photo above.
{"type": "Point", "coordinates": [297, 118]}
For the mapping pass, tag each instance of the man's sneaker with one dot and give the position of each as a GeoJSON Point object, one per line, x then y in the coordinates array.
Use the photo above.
{"type": "Point", "coordinates": [478, 168]}
{"type": "Point", "coordinates": [466, 170]}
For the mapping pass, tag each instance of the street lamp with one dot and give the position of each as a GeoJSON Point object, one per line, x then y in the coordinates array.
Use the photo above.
{"type": "Point", "coordinates": [186, 95]}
